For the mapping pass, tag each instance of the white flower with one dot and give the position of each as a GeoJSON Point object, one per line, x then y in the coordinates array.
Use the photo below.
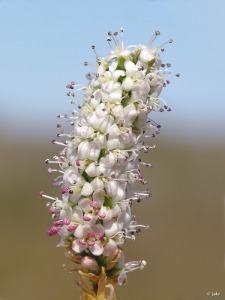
{"type": "Point", "coordinates": [89, 238]}
{"type": "Point", "coordinates": [147, 55]}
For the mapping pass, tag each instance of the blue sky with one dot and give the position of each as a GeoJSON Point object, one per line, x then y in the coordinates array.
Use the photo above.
{"type": "Point", "coordinates": [43, 44]}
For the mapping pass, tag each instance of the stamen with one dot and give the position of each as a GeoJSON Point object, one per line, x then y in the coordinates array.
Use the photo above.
{"type": "Point", "coordinates": [59, 143]}
{"type": "Point", "coordinates": [89, 64]}
{"type": "Point", "coordinates": [90, 235]}
{"type": "Point", "coordinates": [53, 231]}
{"type": "Point", "coordinates": [82, 242]}
{"type": "Point", "coordinates": [72, 228]}
{"type": "Point", "coordinates": [94, 48]}
{"type": "Point", "coordinates": [50, 171]}
{"type": "Point", "coordinates": [165, 43]}
{"type": "Point", "coordinates": [42, 194]}
{"type": "Point", "coordinates": [91, 243]}
{"type": "Point", "coordinates": [109, 40]}
{"type": "Point", "coordinates": [122, 37]}
{"type": "Point", "coordinates": [153, 38]}
{"type": "Point", "coordinates": [134, 265]}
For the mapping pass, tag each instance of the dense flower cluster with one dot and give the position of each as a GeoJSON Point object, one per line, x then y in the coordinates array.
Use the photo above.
{"type": "Point", "coordinates": [99, 165]}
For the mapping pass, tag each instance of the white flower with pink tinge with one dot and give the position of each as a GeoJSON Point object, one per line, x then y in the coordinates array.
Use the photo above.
{"type": "Point", "coordinates": [89, 237]}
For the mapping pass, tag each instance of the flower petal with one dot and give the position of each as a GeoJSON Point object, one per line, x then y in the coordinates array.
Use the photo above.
{"type": "Point", "coordinates": [84, 204]}
{"type": "Point", "coordinates": [111, 228]}
{"type": "Point", "coordinates": [78, 247]}
{"type": "Point", "coordinates": [122, 279]}
{"type": "Point", "coordinates": [130, 67]}
{"type": "Point", "coordinates": [87, 189]}
{"type": "Point", "coordinates": [77, 215]}
{"type": "Point", "coordinates": [127, 84]}
{"type": "Point", "coordinates": [110, 247]}
{"type": "Point", "coordinates": [146, 55]}
{"type": "Point", "coordinates": [97, 249]}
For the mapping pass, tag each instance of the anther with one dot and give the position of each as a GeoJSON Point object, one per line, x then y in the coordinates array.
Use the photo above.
{"type": "Point", "coordinates": [64, 190]}
{"type": "Point", "coordinates": [70, 86]}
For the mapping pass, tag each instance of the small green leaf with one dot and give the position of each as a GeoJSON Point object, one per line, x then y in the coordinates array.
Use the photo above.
{"type": "Point", "coordinates": [108, 202]}
{"type": "Point", "coordinates": [120, 65]}
{"type": "Point", "coordinates": [87, 177]}
{"type": "Point", "coordinates": [102, 153]}
{"type": "Point", "coordinates": [125, 101]}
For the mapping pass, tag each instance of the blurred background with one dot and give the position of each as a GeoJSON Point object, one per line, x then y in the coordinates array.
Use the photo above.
{"type": "Point", "coordinates": [43, 47]}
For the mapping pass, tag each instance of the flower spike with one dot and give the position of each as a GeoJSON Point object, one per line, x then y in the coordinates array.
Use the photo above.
{"type": "Point", "coordinates": [100, 165]}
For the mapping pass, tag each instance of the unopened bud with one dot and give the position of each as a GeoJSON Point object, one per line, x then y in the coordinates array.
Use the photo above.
{"type": "Point", "coordinates": [89, 265]}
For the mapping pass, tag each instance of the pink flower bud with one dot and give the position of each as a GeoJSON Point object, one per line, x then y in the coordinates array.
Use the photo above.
{"type": "Point", "coordinates": [89, 265]}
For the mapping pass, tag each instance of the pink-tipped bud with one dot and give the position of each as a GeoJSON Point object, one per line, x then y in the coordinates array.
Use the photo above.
{"type": "Point", "coordinates": [41, 193]}
{"type": "Point", "coordinates": [89, 265]}
{"type": "Point", "coordinates": [49, 170]}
